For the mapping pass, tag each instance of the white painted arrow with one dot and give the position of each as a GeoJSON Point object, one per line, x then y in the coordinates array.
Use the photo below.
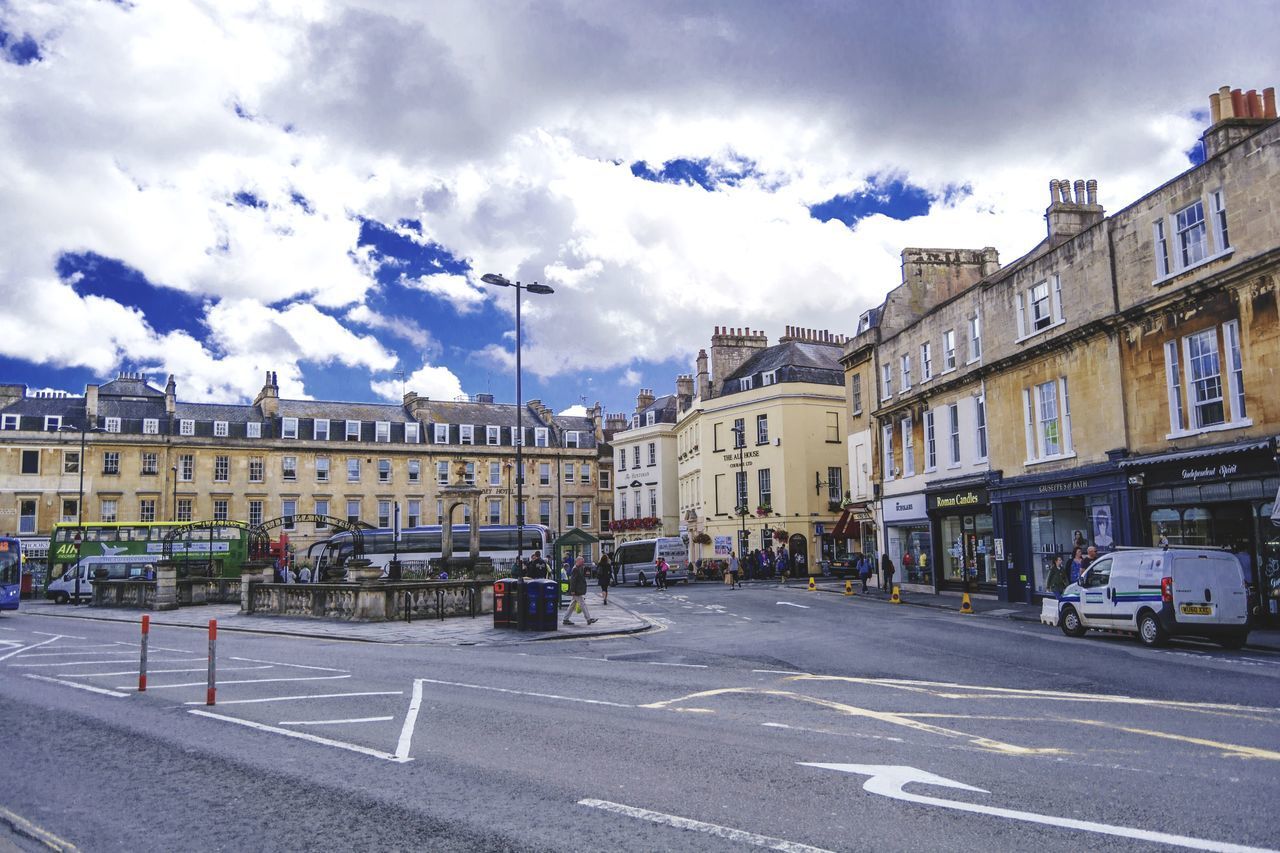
{"type": "Point", "coordinates": [790, 604]}
{"type": "Point", "coordinates": [888, 780]}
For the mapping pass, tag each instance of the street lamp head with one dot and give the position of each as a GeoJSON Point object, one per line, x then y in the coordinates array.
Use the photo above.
{"type": "Point", "coordinates": [538, 288]}
{"type": "Point", "coordinates": [495, 279]}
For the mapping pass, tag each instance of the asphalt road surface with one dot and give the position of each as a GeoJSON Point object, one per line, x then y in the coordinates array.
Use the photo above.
{"type": "Point", "coordinates": [761, 718]}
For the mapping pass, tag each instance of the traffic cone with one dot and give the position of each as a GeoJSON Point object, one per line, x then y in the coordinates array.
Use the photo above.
{"type": "Point", "coordinates": [848, 587]}
{"type": "Point", "coordinates": [813, 585]}
{"type": "Point", "coordinates": [966, 606]}
{"type": "Point", "coordinates": [895, 597]}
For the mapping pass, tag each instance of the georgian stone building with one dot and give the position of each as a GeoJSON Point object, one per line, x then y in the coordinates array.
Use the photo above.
{"type": "Point", "coordinates": [646, 487]}
{"type": "Point", "coordinates": [151, 457]}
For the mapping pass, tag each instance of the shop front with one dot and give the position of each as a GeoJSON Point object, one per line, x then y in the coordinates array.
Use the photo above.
{"type": "Point", "coordinates": [1039, 520]}
{"type": "Point", "coordinates": [1217, 497]}
{"type": "Point", "coordinates": [908, 540]}
{"type": "Point", "coordinates": [963, 528]}
{"type": "Point", "coordinates": [852, 536]}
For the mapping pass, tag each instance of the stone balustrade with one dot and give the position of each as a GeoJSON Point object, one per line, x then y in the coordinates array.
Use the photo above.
{"type": "Point", "coordinates": [371, 601]}
{"type": "Point", "coordinates": [124, 593]}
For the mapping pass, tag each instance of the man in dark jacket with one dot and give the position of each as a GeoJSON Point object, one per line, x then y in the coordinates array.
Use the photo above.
{"type": "Point", "coordinates": [536, 567]}
{"type": "Point", "coordinates": [578, 591]}
{"type": "Point", "coordinates": [886, 572]}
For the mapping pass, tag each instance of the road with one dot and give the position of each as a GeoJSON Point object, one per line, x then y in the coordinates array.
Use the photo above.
{"type": "Point", "coordinates": [757, 718]}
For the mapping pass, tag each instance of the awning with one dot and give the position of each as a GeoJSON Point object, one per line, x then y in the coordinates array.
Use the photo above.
{"type": "Point", "coordinates": [1197, 453]}
{"type": "Point", "coordinates": [850, 518]}
{"type": "Point", "coordinates": [1275, 508]}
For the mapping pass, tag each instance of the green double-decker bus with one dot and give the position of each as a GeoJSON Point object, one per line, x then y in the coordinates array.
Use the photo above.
{"type": "Point", "coordinates": [215, 551]}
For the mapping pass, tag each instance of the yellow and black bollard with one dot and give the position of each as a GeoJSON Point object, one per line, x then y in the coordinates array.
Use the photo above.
{"type": "Point", "coordinates": [895, 597]}
{"type": "Point", "coordinates": [966, 606]}
{"type": "Point", "coordinates": [813, 584]}
{"type": "Point", "coordinates": [848, 587]}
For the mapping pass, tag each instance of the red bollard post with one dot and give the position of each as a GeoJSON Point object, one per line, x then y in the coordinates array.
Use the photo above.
{"type": "Point", "coordinates": [142, 661]}
{"type": "Point", "coordinates": [210, 695]}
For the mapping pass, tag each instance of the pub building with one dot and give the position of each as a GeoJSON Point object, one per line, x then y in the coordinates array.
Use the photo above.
{"type": "Point", "coordinates": [963, 535]}
{"type": "Point", "coordinates": [1038, 517]}
{"type": "Point", "coordinates": [1222, 496]}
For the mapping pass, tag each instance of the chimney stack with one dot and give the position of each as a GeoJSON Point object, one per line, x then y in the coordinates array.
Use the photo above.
{"type": "Point", "coordinates": [644, 400]}
{"type": "Point", "coordinates": [1235, 115]}
{"type": "Point", "coordinates": [1067, 216]}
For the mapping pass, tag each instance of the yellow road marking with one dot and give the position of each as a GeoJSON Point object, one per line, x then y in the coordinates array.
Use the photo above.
{"type": "Point", "coordinates": [1229, 750]}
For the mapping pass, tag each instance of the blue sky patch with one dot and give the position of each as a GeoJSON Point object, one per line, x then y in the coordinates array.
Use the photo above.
{"type": "Point", "coordinates": [704, 172]}
{"type": "Point", "coordinates": [18, 50]}
{"type": "Point", "coordinates": [894, 198]}
{"type": "Point", "coordinates": [402, 255]}
{"type": "Point", "coordinates": [166, 310]}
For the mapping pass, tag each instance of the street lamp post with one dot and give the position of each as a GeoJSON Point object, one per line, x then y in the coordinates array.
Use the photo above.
{"type": "Point", "coordinates": [173, 508]}
{"type": "Point", "coordinates": [740, 434]}
{"type": "Point", "coordinates": [500, 281]}
{"type": "Point", "coordinates": [79, 501]}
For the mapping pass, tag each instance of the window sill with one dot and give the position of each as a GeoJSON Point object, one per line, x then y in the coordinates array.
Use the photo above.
{"type": "Point", "coordinates": [1038, 332]}
{"type": "Point", "coordinates": [931, 470]}
{"type": "Point", "coordinates": [946, 371]}
{"type": "Point", "coordinates": [973, 361]}
{"type": "Point", "coordinates": [1058, 458]}
{"type": "Point", "coordinates": [1165, 279]}
{"type": "Point", "coordinates": [954, 466]}
{"type": "Point", "coordinates": [1229, 425]}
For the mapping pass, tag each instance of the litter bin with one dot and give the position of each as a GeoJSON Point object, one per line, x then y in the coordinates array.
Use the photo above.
{"type": "Point", "coordinates": [531, 605]}
{"type": "Point", "coordinates": [506, 598]}
{"type": "Point", "coordinates": [551, 607]}
{"type": "Point", "coordinates": [541, 605]}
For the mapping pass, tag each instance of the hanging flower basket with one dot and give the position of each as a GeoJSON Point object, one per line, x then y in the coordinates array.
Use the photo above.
{"type": "Point", "coordinates": [763, 510]}
{"type": "Point", "coordinates": [780, 534]}
{"type": "Point", "coordinates": [702, 538]}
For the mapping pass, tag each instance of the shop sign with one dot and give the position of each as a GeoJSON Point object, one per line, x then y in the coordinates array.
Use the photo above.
{"type": "Point", "coordinates": [958, 500]}
{"type": "Point", "coordinates": [903, 508]}
{"type": "Point", "coordinates": [999, 549]}
{"type": "Point", "coordinates": [1068, 486]}
{"type": "Point", "coordinates": [1208, 472]}
{"type": "Point", "coordinates": [746, 454]}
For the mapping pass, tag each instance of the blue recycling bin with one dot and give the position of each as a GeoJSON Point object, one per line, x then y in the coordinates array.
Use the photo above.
{"type": "Point", "coordinates": [541, 605]}
{"type": "Point", "coordinates": [551, 607]}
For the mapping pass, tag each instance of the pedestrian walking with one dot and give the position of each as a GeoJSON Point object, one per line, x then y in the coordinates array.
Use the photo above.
{"type": "Point", "coordinates": [304, 576]}
{"type": "Point", "coordinates": [661, 573]}
{"type": "Point", "coordinates": [734, 572]}
{"type": "Point", "coordinates": [604, 576]}
{"type": "Point", "coordinates": [578, 592]}
{"type": "Point", "coordinates": [886, 572]}
{"type": "Point", "coordinates": [864, 570]}
{"type": "Point", "coordinates": [781, 565]}
{"type": "Point", "coordinates": [1077, 564]}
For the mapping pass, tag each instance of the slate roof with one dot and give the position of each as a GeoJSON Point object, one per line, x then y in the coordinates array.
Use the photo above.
{"type": "Point", "coordinates": [663, 408]}
{"type": "Point", "coordinates": [794, 361]}
{"type": "Point", "coordinates": [127, 386]}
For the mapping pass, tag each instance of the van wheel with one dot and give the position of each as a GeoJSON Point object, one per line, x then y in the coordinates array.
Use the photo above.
{"type": "Point", "coordinates": [1071, 624]}
{"type": "Point", "coordinates": [1235, 641]}
{"type": "Point", "coordinates": [640, 581]}
{"type": "Point", "coordinates": [1150, 631]}
{"type": "Point", "coordinates": [61, 598]}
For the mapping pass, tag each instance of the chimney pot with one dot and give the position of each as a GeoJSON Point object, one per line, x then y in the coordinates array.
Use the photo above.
{"type": "Point", "coordinates": [1237, 104]}
{"type": "Point", "coordinates": [1079, 188]}
{"type": "Point", "coordinates": [1259, 111]}
{"type": "Point", "coordinates": [1249, 98]}
{"type": "Point", "coordinates": [1053, 191]}
{"type": "Point", "coordinates": [1064, 190]}
{"type": "Point", "coordinates": [1091, 190]}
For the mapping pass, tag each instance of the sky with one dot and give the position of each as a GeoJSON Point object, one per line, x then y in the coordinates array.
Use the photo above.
{"type": "Point", "coordinates": [315, 187]}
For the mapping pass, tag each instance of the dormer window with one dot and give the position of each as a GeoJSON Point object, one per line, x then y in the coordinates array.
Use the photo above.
{"type": "Point", "coordinates": [353, 430]}
{"type": "Point", "coordinates": [186, 426]}
{"type": "Point", "coordinates": [769, 377]}
{"type": "Point", "coordinates": [382, 431]}
{"type": "Point", "coordinates": [745, 383]}
{"type": "Point", "coordinates": [467, 434]}
{"type": "Point", "coordinates": [442, 434]}
{"type": "Point", "coordinates": [650, 418]}
{"type": "Point", "coordinates": [540, 437]}
{"type": "Point", "coordinates": [113, 424]}
{"type": "Point", "coordinates": [412, 435]}
{"type": "Point", "coordinates": [492, 435]}
{"type": "Point", "coordinates": [288, 427]}
{"type": "Point", "coordinates": [9, 422]}
{"type": "Point", "coordinates": [253, 429]}
{"type": "Point", "coordinates": [571, 438]}
{"type": "Point", "coordinates": [52, 423]}
{"type": "Point", "coordinates": [320, 429]}
{"type": "Point", "coordinates": [150, 426]}
{"type": "Point", "coordinates": [220, 429]}
{"type": "Point", "coordinates": [1040, 307]}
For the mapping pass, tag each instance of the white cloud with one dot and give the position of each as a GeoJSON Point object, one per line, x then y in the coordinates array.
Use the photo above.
{"type": "Point", "coordinates": [455, 289]}
{"type": "Point", "coordinates": [575, 411]}
{"type": "Point", "coordinates": [433, 382]}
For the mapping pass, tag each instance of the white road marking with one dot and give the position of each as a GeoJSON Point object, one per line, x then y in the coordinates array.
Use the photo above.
{"type": "Point", "coordinates": [59, 636]}
{"type": "Point", "coordinates": [88, 687]}
{"type": "Point", "coordinates": [324, 741]}
{"type": "Point", "coordinates": [8, 655]}
{"type": "Point", "coordinates": [699, 826]}
{"type": "Point", "coordinates": [335, 722]}
{"type": "Point", "coordinates": [780, 671]}
{"type": "Point", "coordinates": [100, 663]}
{"type": "Point", "coordinates": [410, 721]}
{"type": "Point", "coordinates": [663, 663]}
{"type": "Point", "coordinates": [888, 781]}
{"type": "Point", "coordinates": [296, 698]}
{"type": "Point", "coordinates": [298, 665]}
{"type": "Point", "coordinates": [157, 671]}
{"type": "Point", "coordinates": [243, 681]}
{"type": "Point", "coordinates": [75, 654]}
{"type": "Point", "coordinates": [841, 734]}
{"type": "Point", "coordinates": [7, 629]}
{"type": "Point", "coordinates": [527, 693]}
{"type": "Point", "coordinates": [791, 604]}
{"type": "Point", "coordinates": [48, 839]}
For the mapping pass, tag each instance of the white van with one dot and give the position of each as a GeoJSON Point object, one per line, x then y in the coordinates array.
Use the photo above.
{"type": "Point", "coordinates": [121, 567]}
{"type": "Point", "coordinates": [634, 562]}
{"type": "Point", "coordinates": [1158, 594]}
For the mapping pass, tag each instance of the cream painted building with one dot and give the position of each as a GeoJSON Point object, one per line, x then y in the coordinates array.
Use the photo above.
{"type": "Point", "coordinates": [646, 501]}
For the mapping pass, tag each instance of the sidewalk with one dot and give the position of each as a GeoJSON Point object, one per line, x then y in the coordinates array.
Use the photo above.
{"type": "Point", "coordinates": [455, 631]}
{"type": "Point", "coordinates": [1260, 639]}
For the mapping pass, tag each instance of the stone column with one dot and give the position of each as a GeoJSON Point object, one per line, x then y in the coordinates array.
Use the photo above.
{"type": "Point", "coordinates": [475, 528]}
{"type": "Point", "coordinates": [446, 533]}
{"type": "Point", "coordinates": [371, 598]}
{"type": "Point", "coordinates": [253, 572]}
{"type": "Point", "coordinates": [166, 585]}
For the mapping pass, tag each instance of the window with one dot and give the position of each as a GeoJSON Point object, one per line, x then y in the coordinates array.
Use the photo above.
{"type": "Point", "coordinates": [414, 516]}
{"type": "Point", "coordinates": [1041, 313]}
{"type": "Point", "coordinates": [764, 482]}
{"type": "Point", "coordinates": [220, 429]}
{"type": "Point", "coordinates": [150, 462]}
{"type": "Point", "coordinates": [495, 473]}
{"type": "Point", "coordinates": [289, 467]}
{"type": "Point", "coordinates": [441, 434]}
{"type": "Point", "coordinates": [186, 426]}
{"type": "Point", "coordinates": [442, 473]}
{"type": "Point", "coordinates": [467, 434]}
{"type": "Point", "coordinates": [384, 472]}
{"type": "Point", "coordinates": [930, 443]}
{"type": "Point", "coordinates": [544, 473]}
{"type": "Point", "coordinates": [739, 433]}
{"type": "Point", "coordinates": [184, 510]}
{"type": "Point", "coordinates": [1040, 307]}
{"type": "Point", "coordinates": [635, 456]}
{"type": "Point", "coordinates": [856, 392]}
{"type": "Point", "coordinates": [886, 449]}
{"type": "Point", "coordinates": [570, 512]}
{"type": "Point", "coordinates": [584, 514]}
{"type": "Point", "coordinates": [52, 423]}
{"type": "Point", "coordinates": [492, 435]}
{"type": "Point", "coordinates": [71, 461]}
{"type": "Point", "coordinates": [110, 461]}
{"type": "Point", "coordinates": [320, 429]}
{"type": "Point", "coordinates": [769, 377]}
{"type": "Point", "coordinates": [975, 338]}
{"type": "Point", "coordinates": [411, 433]}
{"type": "Point", "coordinates": [653, 503]}
{"type": "Point", "coordinates": [569, 473]}
{"type": "Point", "coordinates": [1047, 424]}
{"type": "Point", "coordinates": [186, 467]}
{"type": "Point", "coordinates": [953, 421]}
{"type": "Point", "coordinates": [495, 512]}
{"type": "Point", "coordinates": [439, 512]}
{"type": "Point", "coordinates": [112, 424]}
{"type": "Point", "coordinates": [469, 475]}
{"type": "Point", "coordinates": [353, 431]}
{"type": "Point", "coordinates": [322, 469]}
{"type": "Point", "coordinates": [606, 515]}
{"type": "Point", "coordinates": [745, 383]}
{"type": "Point", "coordinates": [1205, 375]}
{"type": "Point", "coordinates": [905, 369]}
{"type": "Point", "coordinates": [1161, 248]}
{"type": "Point", "coordinates": [1198, 369]}
{"type": "Point", "coordinates": [1218, 207]}
{"type": "Point", "coordinates": [27, 516]}
{"type": "Point", "coordinates": [517, 437]}
{"type": "Point", "coordinates": [835, 484]}
{"type": "Point", "coordinates": [10, 422]}
{"type": "Point", "coordinates": [381, 431]}
{"type": "Point", "coordinates": [650, 418]}
{"type": "Point", "coordinates": [415, 470]}
{"type": "Point", "coordinates": [150, 426]}
{"type": "Point", "coordinates": [353, 510]}
{"type": "Point", "coordinates": [353, 469]}
{"type": "Point", "coordinates": [762, 429]}
{"type": "Point", "coordinates": [288, 427]}
{"type": "Point", "coordinates": [253, 429]}
{"type": "Point", "coordinates": [544, 513]}
{"type": "Point", "coordinates": [653, 454]}
{"type": "Point", "coordinates": [1189, 230]}
{"type": "Point", "coordinates": [255, 469]}
{"type": "Point", "coordinates": [949, 350]}
{"type": "Point", "coordinates": [571, 438]}
{"type": "Point", "coordinates": [147, 510]}
{"type": "Point", "coordinates": [980, 418]}
{"type": "Point", "coordinates": [109, 509]}
{"type": "Point", "coordinates": [740, 490]}
{"type": "Point", "coordinates": [622, 505]}
{"type": "Point", "coordinates": [584, 474]}
{"type": "Point", "coordinates": [70, 510]}
{"type": "Point", "coordinates": [221, 469]}
{"type": "Point", "coordinates": [322, 508]}
{"type": "Point", "coordinates": [606, 479]}
{"type": "Point", "coordinates": [255, 512]}
{"type": "Point", "coordinates": [833, 427]}
{"type": "Point", "coordinates": [540, 437]}
{"type": "Point", "coordinates": [886, 381]}
{"type": "Point", "coordinates": [384, 513]}
{"type": "Point", "coordinates": [908, 449]}
{"type": "Point", "coordinates": [926, 361]}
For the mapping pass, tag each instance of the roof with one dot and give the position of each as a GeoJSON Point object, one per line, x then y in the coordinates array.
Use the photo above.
{"type": "Point", "coordinates": [127, 386]}
{"type": "Point", "coordinates": [1197, 453]}
{"type": "Point", "coordinates": [794, 361]}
